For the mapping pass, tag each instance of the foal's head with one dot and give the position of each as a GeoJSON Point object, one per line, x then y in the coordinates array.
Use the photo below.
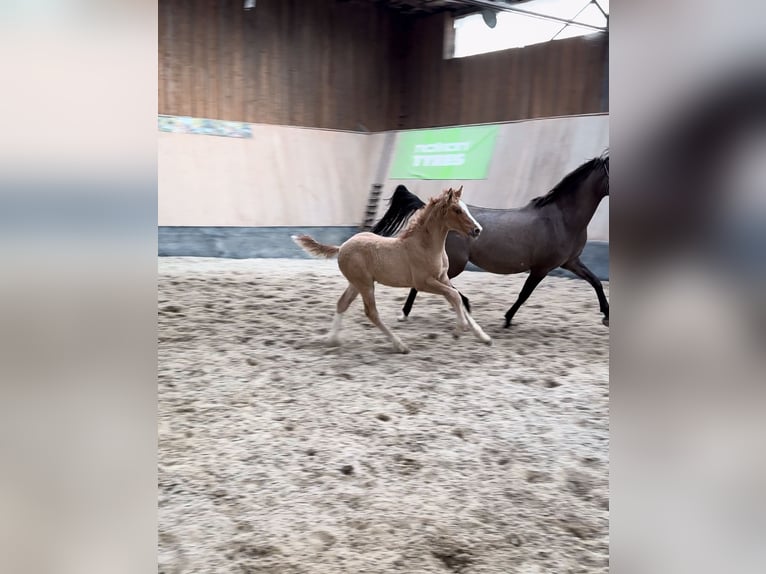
{"type": "Point", "coordinates": [456, 214]}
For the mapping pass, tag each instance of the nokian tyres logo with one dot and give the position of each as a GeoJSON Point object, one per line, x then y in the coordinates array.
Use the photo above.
{"type": "Point", "coordinates": [440, 154]}
{"type": "Point", "coordinates": [452, 153]}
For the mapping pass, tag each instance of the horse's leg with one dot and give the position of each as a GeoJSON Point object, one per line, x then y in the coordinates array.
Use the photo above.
{"type": "Point", "coordinates": [529, 285]}
{"type": "Point", "coordinates": [463, 298]}
{"type": "Point", "coordinates": [464, 320]}
{"type": "Point", "coordinates": [408, 305]}
{"type": "Point", "coordinates": [458, 251]}
{"type": "Point", "coordinates": [457, 259]}
{"type": "Point", "coordinates": [466, 302]}
{"type": "Point", "coordinates": [480, 334]}
{"type": "Point", "coordinates": [345, 300]}
{"type": "Point", "coordinates": [411, 299]}
{"type": "Point", "coordinates": [578, 268]}
{"type": "Point", "coordinates": [368, 296]}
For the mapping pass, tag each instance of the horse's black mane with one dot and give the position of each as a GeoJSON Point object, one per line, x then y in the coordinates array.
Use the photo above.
{"type": "Point", "coordinates": [572, 180]}
{"type": "Point", "coordinates": [403, 203]}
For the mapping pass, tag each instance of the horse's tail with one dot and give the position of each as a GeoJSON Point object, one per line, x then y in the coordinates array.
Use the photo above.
{"type": "Point", "coordinates": [313, 247]}
{"type": "Point", "coordinates": [401, 206]}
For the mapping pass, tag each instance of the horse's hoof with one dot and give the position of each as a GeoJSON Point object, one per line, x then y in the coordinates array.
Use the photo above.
{"type": "Point", "coordinates": [507, 324]}
{"type": "Point", "coordinates": [402, 317]}
{"type": "Point", "coordinates": [605, 321]}
{"type": "Point", "coordinates": [333, 342]}
{"type": "Point", "coordinates": [488, 342]}
{"type": "Point", "coordinates": [403, 349]}
{"type": "Point", "coordinates": [483, 337]}
{"type": "Point", "coordinates": [456, 334]}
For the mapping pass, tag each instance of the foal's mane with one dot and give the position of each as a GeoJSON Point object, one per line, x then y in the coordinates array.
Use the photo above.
{"type": "Point", "coordinates": [419, 218]}
{"type": "Point", "coordinates": [572, 180]}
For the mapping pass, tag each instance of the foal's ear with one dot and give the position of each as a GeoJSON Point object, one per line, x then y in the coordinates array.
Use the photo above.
{"type": "Point", "coordinates": [459, 192]}
{"type": "Point", "coordinates": [450, 193]}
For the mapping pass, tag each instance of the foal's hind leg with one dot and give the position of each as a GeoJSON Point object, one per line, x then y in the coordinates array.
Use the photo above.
{"type": "Point", "coordinates": [345, 300]}
{"type": "Point", "coordinates": [578, 268]}
{"type": "Point", "coordinates": [368, 296]}
{"type": "Point", "coordinates": [535, 276]}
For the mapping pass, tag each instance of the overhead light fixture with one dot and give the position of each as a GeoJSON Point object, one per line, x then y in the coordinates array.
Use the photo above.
{"type": "Point", "coordinates": [249, 4]}
{"type": "Point", "coordinates": [490, 17]}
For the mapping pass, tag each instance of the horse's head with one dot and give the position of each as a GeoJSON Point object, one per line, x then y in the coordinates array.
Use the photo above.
{"type": "Point", "coordinates": [605, 175]}
{"type": "Point", "coordinates": [597, 181]}
{"type": "Point", "coordinates": [456, 214]}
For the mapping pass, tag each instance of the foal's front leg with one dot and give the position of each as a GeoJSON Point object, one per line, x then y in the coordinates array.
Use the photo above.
{"type": "Point", "coordinates": [464, 320]}
{"type": "Point", "coordinates": [411, 299]}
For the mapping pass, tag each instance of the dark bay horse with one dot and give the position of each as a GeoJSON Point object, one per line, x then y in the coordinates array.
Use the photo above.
{"type": "Point", "coordinates": [549, 232]}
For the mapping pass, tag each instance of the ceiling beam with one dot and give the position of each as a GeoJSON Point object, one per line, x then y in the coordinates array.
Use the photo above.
{"type": "Point", "coordinates": [506, 8]}
{"type": "Point", "coordinates": [598, 5]}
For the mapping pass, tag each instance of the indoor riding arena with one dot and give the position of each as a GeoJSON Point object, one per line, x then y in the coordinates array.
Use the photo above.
{"type": "Point", "coordinates": [281, 452]}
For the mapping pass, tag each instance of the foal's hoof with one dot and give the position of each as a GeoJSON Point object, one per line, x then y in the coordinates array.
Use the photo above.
{"type": "Point", "coordinates": [333, 342]}
{"type": "Point", "coordinates": [403, 349]}
{"type": "Point", "coordinates": [402, 317]}
{"type": "Point", "coordinates": [507, 324]}
{"type": "Point", "coordinates": [483, 337]}
{"type": "Point", "coordinates": [605, 321]}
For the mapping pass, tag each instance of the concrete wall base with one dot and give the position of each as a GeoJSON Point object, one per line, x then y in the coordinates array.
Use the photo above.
{"type": "Point", "coordinates": [270, 242]}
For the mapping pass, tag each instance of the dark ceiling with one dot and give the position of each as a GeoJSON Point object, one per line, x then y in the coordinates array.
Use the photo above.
{"type": "Point", "coordinates": [461, 7]}
{"type": "Point", "coordinates": [429, 6]}
{"type": "Point", "coordinates": [411, 6]}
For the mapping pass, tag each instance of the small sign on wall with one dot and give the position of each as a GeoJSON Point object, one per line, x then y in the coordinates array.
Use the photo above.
{"type": "Point", "coordinates": [204, 126]}
{"type": "Point", "coordinates": [449, 153]}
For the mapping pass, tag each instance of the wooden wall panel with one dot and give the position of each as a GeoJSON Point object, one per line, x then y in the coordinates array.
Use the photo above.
{"type": "Point", "coordinates": [348, 65]}
{"type": "Point", "coordinates": [558, 78]}
{"type": "Point", "coordinates": [285, 176]}
{"type": "Point", "coordinates": [314, 63]}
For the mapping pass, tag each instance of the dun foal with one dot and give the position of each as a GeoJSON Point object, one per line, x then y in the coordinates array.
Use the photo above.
{"type": "Point", "coordinates": [415, 259]}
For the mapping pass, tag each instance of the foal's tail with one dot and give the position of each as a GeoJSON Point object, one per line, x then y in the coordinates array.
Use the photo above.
{"type": "Point", "coordinates": [313, 247]}
{"type": "Point", "coordinates": [401, 206]}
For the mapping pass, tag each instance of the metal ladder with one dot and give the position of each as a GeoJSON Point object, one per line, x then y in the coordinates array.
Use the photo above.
{"type": "Point", "coordinates": [372, 207]}
{"type": "Point", "coordinates": [373, 199]}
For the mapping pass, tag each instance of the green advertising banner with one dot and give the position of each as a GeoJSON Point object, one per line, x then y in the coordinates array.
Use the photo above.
{"type": "Point", "coordinates": [450, 153]}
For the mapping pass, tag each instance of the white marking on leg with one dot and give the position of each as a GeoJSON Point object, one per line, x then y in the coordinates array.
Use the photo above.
{"type": "Point", "coordinates": [480, 334]}
{"type": "Point", "coordinates": [399, 346]}
{"type": "Point", "coordinates": [334, 338]}
{"type": "Point", "coordinates": [402, 317]}
{"type": "Point", "coordinates": [462, 323]}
